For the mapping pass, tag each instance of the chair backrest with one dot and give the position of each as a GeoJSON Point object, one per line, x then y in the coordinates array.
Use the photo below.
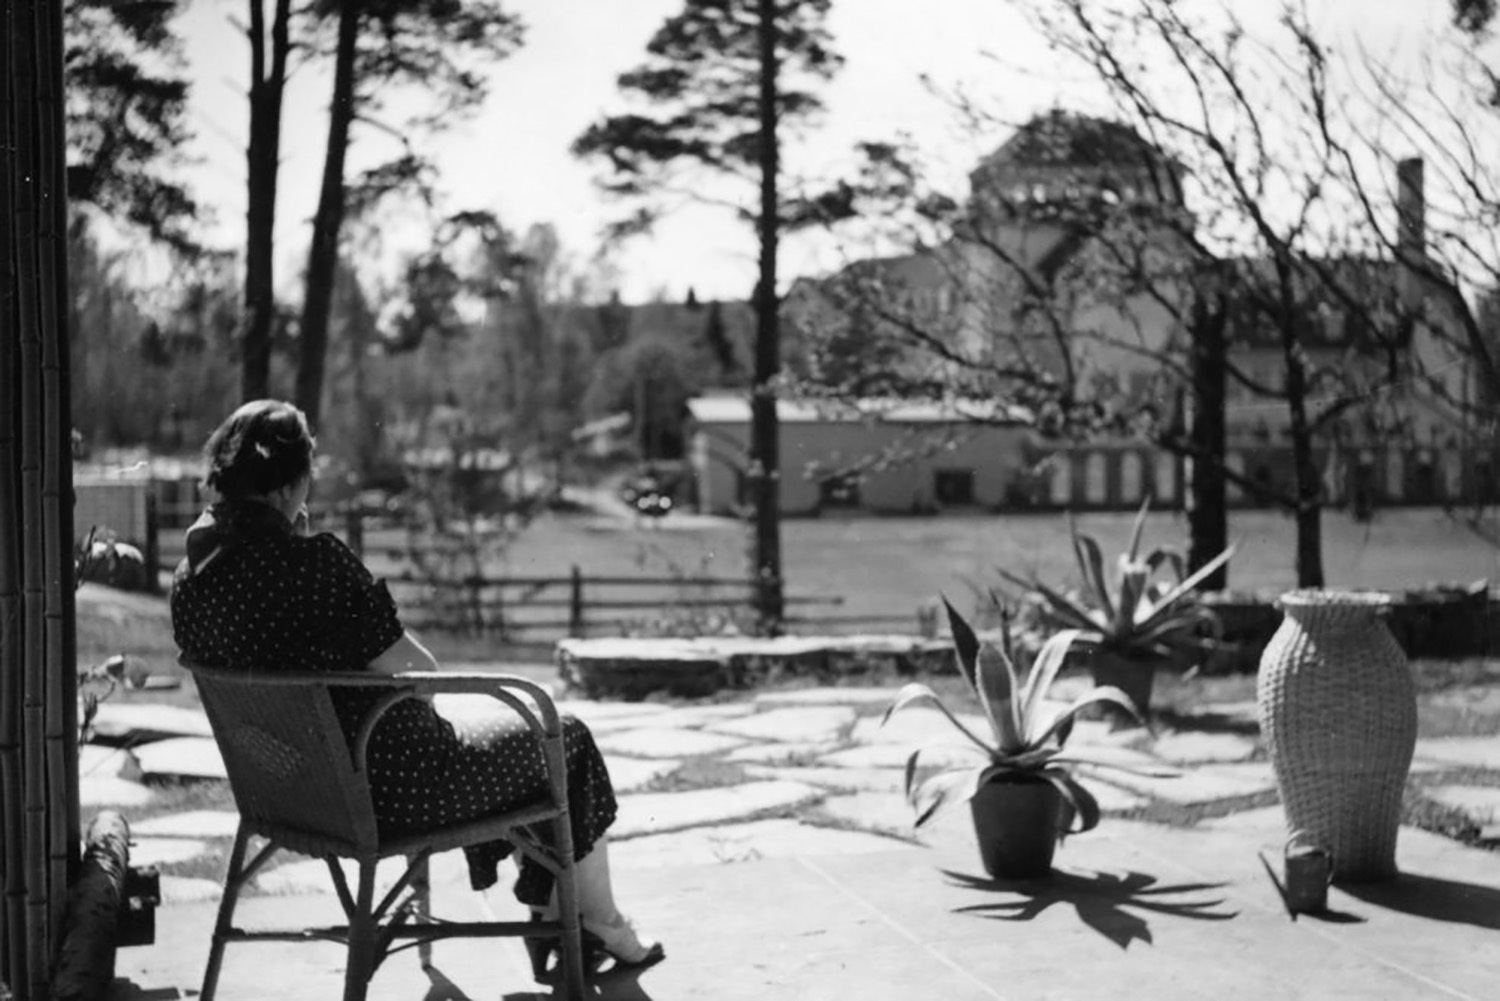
{"type": "Point", "coordinates": [289, 766]}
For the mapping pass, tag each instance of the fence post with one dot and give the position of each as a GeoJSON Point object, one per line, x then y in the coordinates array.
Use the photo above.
{"type": "Point", "coordinates": [575, 604]}
{"type": "Point", "coordinates": [152, 541]}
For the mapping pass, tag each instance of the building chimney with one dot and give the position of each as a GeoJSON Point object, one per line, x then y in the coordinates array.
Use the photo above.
{"type": "Point", "coordinates": [1411, 231]}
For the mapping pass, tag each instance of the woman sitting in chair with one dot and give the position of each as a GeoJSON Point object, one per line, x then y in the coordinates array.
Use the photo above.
{"type": "Point", "coordinates": [256, 589]}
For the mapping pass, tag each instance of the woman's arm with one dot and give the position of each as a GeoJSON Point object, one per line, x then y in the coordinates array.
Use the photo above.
{"type": "Point", "coordinates": [406, 654]}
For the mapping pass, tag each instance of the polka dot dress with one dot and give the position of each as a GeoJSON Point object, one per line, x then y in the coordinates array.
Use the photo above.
{"type": "Point", "coordinates": [253, 595]}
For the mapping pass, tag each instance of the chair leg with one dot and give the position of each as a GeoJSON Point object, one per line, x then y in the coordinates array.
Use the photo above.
{"type": "Point", "coordinates": [421, 885]}
{"type": "Point", "coordinates": [361, 959]}
{"type": "Point", "coordinates": [570, 955]}
{"type": "Point", "coordinates": [225, 921]}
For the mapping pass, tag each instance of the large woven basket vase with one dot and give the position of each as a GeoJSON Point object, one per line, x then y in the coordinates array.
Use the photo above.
{"type": "Point", "coordinates": [1338, 714]}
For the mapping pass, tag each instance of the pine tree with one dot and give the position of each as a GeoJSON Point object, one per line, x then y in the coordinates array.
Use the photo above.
{"type": "Point", "coordinates": [722, 79]}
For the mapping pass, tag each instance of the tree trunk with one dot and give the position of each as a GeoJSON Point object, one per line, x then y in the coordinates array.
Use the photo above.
{"type": "Point", "coordinates": [765, 459]}
{"type": "Point", "coordinates": [1208, 516]}
{"type": "Point", "coordinates": [1308, 482]}
{"type": "Point", "coordinates": [263, 160]}
{"type": "Point", "coordinates": [322, 259]}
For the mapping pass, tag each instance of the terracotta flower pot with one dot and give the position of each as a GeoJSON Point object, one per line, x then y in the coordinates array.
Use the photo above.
{"type": "Point", "coordinates": [1135, 676]}
{"type": "Point", "coordinates": [1017, 820]}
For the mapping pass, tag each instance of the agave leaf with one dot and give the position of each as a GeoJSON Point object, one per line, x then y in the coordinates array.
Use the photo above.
{"type": "Point", "coordinates": [1091, 562]}
{"type": "Point", "coordinates": [916, 692]}
{"type": "Point", "coordinates": [1044, 671]}
{"type": "Point", "coordinates": [1133, 577]}
{"type": "Point", "coordinates": [1085, 806]}
{"type": "Point", "coordinates": [1202, 573]}
{"type": "Point", "coordinates": [1096, 696]}
{"type": "Point", "coordinates": [995, 680]}
{"type": "Point", "coordinates": [965, 644]}
{"type": "Point", "coordinates": [939, 793]}
{"type": "Point", "coordinates": [1137, 528]}
{"type": "Point", "coordinates": [1084, 758]}
{"type": "Point", "coordinates": [1062, 604]}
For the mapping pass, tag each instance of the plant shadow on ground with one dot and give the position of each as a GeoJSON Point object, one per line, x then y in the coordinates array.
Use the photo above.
{"type": "Point", "coordinates": [1103, 900]}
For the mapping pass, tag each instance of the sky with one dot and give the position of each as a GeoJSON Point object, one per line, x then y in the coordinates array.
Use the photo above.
{"type": "Point", "coordinates": [512, 157]}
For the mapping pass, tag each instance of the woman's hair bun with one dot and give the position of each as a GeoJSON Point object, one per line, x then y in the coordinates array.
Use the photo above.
{"type": "Point", "coordinates": [260, 448]}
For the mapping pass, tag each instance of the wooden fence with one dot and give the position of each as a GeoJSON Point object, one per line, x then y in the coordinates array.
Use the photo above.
{"type": "Point", "coordinates": [542, 609]}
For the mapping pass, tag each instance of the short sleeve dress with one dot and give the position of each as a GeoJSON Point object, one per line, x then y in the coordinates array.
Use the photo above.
{"type": "Point", "coordinates": [253, 595]}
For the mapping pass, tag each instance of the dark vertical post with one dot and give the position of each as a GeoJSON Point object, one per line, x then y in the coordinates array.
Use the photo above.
{"type": "Point", "coordinates": [575, 604]}
{"type": "Point", "coordinates": [765, 458]}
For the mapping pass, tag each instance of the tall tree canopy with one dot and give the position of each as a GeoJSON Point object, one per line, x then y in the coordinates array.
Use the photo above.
{"type": "Point", "coordinates": [126, 116]}
{"type": "Point", "coordinates": [440, 48]}
{"type": "Point", "coordinates": [721, 80]}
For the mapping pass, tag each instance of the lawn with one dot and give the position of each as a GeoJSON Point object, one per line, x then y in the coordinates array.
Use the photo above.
{"type": "Point", "coordinates": [888, 567]}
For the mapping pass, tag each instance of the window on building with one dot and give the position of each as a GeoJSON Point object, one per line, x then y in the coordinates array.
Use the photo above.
{"type": "Point", "coordinates": [841, 490]}
{"type": "Point", "coordinates": [953, 487]}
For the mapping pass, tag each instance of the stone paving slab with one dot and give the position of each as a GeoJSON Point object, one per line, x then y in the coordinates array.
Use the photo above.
{"type": "Point", "coordinates": [916, 725]}
{"type": "Point", "coordinates": [629, 774]}
{"type": "Point", "coordinates": [835, 695]}
{"type": "Point", "coordinates": [780, 753]}
{"type": "Point", "coordinates": [100, 761]}
{"type": "Point", "coordinates": [692, 717]}
{"type": "Point", "coordinates": [666, 742]}
{"type": "Point", "coordinates": [1479, 752]}
{"type": "Point", "coordinates": [1189, 746]}
{"type": "Point", "coordinates": [192, 824]}
{"type": "Point", "coordinates": [882, 812]}
{"type": "Point", "coordinates": [94, 791]}
{"type": "Point", "coordinates": [184, 757]}
{"type": "Point", "coordinates": [188, 890]}
{"type": "Point", "coordinates": [141, 720]}
{"type": "Point", "coordinates": [652, 813]}
{"type": "Point", "coordinates": [164, 851]}
{"type": "Point", "coordinates": [799, 723]}
{"type": "Point", "coordinates": [742, 843]}
{"type": "Point", "coordinates": [1198, 784]}
{"type": "Point", "coordinates": [301, 876]}
{"type": "Point", "coordinates": [894, 755]}
{"type": "Point", "coordinates": [887, 780]}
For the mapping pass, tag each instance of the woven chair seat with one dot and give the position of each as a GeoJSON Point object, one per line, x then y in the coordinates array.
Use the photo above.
{"type": "Point", "coordinates": [300, 787]}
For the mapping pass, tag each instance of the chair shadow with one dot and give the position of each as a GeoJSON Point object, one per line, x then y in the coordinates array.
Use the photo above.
{"type": "Point", "coordinates": [1432, 897]}
{"type": "Point", "coordinates": [1104, 901]}
{"type": "Point", "coordinates": [442, 989]}
{"type": "Point", "coordinates": [124, 989]}
{"type": "Point", "coordinates": [613, 985]}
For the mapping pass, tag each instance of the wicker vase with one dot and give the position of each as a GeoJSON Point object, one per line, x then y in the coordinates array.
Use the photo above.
{"type": "Point", "coordinates": [1338, 714]}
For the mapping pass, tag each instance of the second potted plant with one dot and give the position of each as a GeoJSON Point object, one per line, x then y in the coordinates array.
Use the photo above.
{"type": "Point", "coordinates": [1021, 790]}
{"type": "Point", "coordinates": [1139, 625]}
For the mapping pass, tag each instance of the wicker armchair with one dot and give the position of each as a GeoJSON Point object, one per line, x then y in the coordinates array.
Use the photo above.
{"type": "Point", "coordinates": [299, 787]}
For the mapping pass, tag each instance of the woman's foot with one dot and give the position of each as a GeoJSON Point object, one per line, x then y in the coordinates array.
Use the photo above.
{"type": "Point", "coordinates": [606, 948]}
{"type": "Point", "coordinates": [620, 940]}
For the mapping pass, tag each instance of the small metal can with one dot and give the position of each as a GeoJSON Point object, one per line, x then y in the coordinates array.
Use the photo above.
{"type": "Point", "coordinates": [1309, 870]}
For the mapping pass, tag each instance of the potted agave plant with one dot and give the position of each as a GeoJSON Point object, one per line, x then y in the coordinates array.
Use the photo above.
{"type": "Point", "coordinates": [1139, 625]}
{"type": "Point", "coordinates": [1021, 790]}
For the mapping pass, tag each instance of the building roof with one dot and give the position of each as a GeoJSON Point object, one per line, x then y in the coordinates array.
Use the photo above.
{"type": "Point", "coordinates": [735, 409]}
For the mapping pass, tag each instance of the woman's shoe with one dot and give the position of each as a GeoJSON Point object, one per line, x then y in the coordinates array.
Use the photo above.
{"type": "Point", "coordinates": [621, 942]}
{"type": "Point", "coordinates": [606, 948]}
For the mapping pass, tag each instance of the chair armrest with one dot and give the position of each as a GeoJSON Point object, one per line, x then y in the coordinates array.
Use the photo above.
{"type": "Point", "coordinates": [418, 684]}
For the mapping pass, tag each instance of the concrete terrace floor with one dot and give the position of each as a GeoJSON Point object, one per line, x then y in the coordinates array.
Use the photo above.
{"type": "Point", "coordinates": [801, 877]}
